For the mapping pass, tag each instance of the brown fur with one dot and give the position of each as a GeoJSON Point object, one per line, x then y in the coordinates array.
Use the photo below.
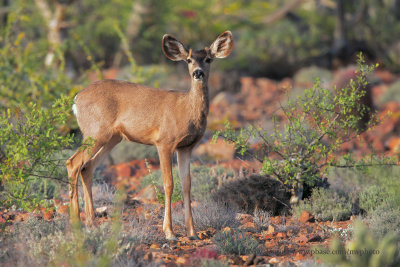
{"type": "Point", "coordinates": [110, 110]}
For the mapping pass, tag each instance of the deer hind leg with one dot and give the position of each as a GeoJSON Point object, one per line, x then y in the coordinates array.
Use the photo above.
{"type": "Point", "coordinates": [74, 168]}
{"type": "Point", "coordinates": [87, 175]}
{"type": "Point", "coordinates": [184, 173]}
{"type": "Point", "coordinates": [165, 153]}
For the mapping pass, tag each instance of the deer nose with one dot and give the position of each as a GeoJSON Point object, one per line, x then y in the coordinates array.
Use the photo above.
{"type": "Point", "coordinates": [198, 74]}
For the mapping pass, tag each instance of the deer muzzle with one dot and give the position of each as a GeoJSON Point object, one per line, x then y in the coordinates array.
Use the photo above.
{"type": "Point", "coordinates": [198, 74]}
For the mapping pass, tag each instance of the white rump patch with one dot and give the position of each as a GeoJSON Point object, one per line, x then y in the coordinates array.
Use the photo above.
{"type": "Point", "coordinates": [74, 108]}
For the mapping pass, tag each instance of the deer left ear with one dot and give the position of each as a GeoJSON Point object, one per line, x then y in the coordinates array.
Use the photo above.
{"type": "Point", "coordinates": [222, 46]}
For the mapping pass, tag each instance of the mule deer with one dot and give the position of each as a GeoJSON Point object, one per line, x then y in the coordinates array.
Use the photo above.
{"type": "Point", "coordinates": [110, 110]}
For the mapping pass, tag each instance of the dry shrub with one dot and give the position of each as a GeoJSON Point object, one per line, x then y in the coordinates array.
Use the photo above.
{"type": "Point", "coordinates": [256, 192]}
{"type": "Point", "coordinates": [209, 214]}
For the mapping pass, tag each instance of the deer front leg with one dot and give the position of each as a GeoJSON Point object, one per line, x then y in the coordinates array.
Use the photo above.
{"type": "Point", "coordinates": [165, 154]}
{"type": "Point", "coordinates": [184, 173]}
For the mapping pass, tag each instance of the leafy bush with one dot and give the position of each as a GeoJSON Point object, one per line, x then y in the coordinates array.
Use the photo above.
{"type": "Point", "coordinates": [315, 127]}
{"type": "Point", "coordinates": [209, 213]}
{"type": "Point", "coordinates": [28, 144]}
{"type": "Point", "coordinates": [363, 250]}
{"type": "Point", "coordinates": [235, 242]}
{"type": "Point", "coordinates": [325, 205]}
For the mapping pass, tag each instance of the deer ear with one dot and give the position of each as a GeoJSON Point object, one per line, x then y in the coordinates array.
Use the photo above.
{"type": "Point", "coordinates": [173, 49]}
{"type": "Point", "coordinates": [222, 46]}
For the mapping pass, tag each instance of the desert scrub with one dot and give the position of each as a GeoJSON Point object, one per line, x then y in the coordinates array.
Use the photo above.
{"type": "Point", "coordinates": [363, 250]}
{"type": "Point", "coordinates": [384, 219]}
{"type": "Point", "coordinates": [235, 242]}
{"type": "Point", "coordinates": [209, 213]}
{"type": "Point", "coordinates": [307, 134]}
{"type": "Point", "coordinates": [372, 197]}
{"type": "Point", "coordinates": [325, 205]}
{"type": "Point", "coordinates": [255, 192]}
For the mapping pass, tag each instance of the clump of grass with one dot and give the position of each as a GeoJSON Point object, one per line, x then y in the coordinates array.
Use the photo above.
{"type": "Point", "coordinates": [209, 214]}
{"type": "Point", "coordinates": [262, 219]}
{"type": "Point", "coordinates": [236, 242]}
{"type": "Point", "coordinates": [325, 205]}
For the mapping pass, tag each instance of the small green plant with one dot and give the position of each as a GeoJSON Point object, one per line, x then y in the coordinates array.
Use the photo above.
{"type": "Point", "coordinates": [235, 242]}
{"type": "Point", "coordinates": [325, 205]}
{"type": "Point", "coordinates": [315, 126]}
{"type": "Point", "coordinates": [363, 250]}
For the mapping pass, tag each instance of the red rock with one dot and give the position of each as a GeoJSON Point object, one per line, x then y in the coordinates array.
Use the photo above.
{"type": "Point", "coordinates": [281, 235]}
{"type": "Point", "coordinates": [309, 238]}
{"type": "Point", "coordinates": [271, 229]}
{"type": "Point", "coordinates": [48, 215]}
{"type": "Point", "coordinates": [394, 144]}
{"type": "Point", "coordinates": [123, 170]}
{"type": "Point", "coordinates": [299, 256]}
{"type": "Point", "coordinates": [248, 225]}
{"type": "Point", "coordinates": [306, 217]}
{"type": "Point", "coordinates": [155, 246]}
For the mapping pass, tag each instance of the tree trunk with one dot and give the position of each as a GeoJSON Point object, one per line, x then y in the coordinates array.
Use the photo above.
{"type": "Point", "coordinates": [55, 22]}
{"type": "Point", "coordinates": [340, 34]}
{"type": "Point", "coordinates": [139, 9]}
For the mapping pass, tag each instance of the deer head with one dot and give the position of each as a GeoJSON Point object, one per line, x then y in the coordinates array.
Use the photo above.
{"type": "Point", "coordinates": [198, 61]}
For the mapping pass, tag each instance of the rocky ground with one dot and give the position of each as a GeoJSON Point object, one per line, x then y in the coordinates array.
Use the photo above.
{"type": "Point", "coordinates": [284, 240]}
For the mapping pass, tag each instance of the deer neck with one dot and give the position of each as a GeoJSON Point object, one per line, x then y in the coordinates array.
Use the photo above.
{"type": "Point", "coordinates": [199, 100]}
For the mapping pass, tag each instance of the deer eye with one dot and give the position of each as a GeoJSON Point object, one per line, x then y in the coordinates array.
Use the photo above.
{"type": "Point", "coordinates": [189, 60]}
{"type": "Point", "coordinates": [208, 60]}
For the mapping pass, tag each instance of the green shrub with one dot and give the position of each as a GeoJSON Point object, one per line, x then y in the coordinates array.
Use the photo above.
{"type": "Point", "coordinates": [29, 143]}
{"type": "Point", "coordinates": [314, 128]}
{"type": "Point", "coordinates": [384, 219]}
{"type": "Point", "coordinates": [325, 205]}
{"type": "Point", "coordinates": [363, 250]}
{"type": "Point", "coordinates": [372, 197]}
{"type": "Point", "coordinates": [235, 242]}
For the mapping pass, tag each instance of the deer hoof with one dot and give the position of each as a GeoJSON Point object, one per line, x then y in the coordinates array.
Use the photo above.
{"type": "Point", "coordinates": [172, 238]}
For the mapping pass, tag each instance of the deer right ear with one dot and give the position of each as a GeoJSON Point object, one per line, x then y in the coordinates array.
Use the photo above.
{"type": "Point", "coordinates": [173, 49]}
